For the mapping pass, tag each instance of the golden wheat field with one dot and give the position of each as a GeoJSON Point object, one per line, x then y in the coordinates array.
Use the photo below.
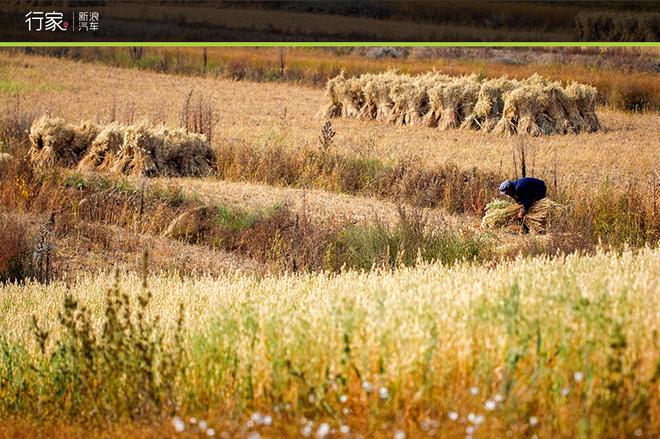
{"type": "Point", "coordinates": [196, 256]}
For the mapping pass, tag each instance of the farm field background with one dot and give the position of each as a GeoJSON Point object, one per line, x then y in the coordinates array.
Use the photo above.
{"type": "Point", "coordinates": [251, 112]}
{"type": "Point", "coordinates": [337, 289]}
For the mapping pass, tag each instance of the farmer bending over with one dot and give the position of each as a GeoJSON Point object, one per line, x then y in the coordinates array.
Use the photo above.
{"type": "Point", "coordinates": [525, 191]}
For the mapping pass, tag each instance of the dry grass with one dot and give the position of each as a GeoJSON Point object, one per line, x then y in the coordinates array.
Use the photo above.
{"type": "Point", "coordinates": [272, 235]}
{"type": "Point", "coordinates": [625, 149]}
{"type": "Point", "coordinates": [313, 25]}
{"type": "Point", "coordinates": [319, 204]}
{"type": "Point", "coordinates": [625, 76]}
{"type": "Point", "coordinates": [622, 26]}
{"type": "Point", "coordinates": [17, 245]}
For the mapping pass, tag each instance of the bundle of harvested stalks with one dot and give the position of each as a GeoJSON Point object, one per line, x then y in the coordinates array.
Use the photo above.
{"type": "Point", "coordinates": [184, 154]}
{"type": "Point", "coordinates": [403, 95]}
{"type": "Point", "coordinates": [533, 106]}
{"type": "Point", "coordinates": [583, 106]}
{"type": "Point", "coordinates": [333, 107]}
{"type": "Point", "coordinates": [55, 142]}
{"type": "Point", "coordinates": [501, 214]}
{"type": "Point", "coordinates": [490, 104]}
{"type": "Point", "coordinates": [458, 99]}
{"type": "Point", "coordinates": [140, 153]}
{"type": "Point", "coordinates": [378, 103]}
{"type": "Point", "coordinates": [104, 150]}
{"type": "Point", "coordinates": [126, 149]}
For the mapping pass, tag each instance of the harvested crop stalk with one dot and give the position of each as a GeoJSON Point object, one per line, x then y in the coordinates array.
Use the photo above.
{"type": "Point", "coordinates": [535, 105]}
{"type": "Point", "coordinates": [502, 214]}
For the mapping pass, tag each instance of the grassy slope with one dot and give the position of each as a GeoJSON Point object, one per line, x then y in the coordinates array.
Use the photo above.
{"type": "Point", "coordinates": [92, 246]}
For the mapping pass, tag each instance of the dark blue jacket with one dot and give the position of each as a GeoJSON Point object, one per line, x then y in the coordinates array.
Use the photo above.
{"type": "Point", "coordinates": [528, 190]}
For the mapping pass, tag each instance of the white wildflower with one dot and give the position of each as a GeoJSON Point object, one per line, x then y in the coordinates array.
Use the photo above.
{"type": "Point", "coordinates": [383, 393]}
{"type": "Point", "coordinates": [367, 386]}
{"type": "Point", "coordinates": [178, 424]}
{"type": "Point", "coordinates": [323, 430]}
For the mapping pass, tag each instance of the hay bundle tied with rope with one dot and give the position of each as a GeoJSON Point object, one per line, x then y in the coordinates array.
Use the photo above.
{"type": "Point", "coordinates": [504, 214]}
{"type": "Point", "coordinates": [138, 149]}
{"type": "Point", "coordinates": [490, 104]}
{"type": "Point", "coordinates": [378, 103]}
{"type": "Point", "coordinates": [534, 105]}
{"type": "Point", "coordinates": [56, 142]}
{"type": "Point", "coordinates": [104, 150]}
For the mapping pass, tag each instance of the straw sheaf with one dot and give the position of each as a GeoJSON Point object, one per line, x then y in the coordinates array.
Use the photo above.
{"type": "Point", "coordinates": [504, 214]}
{"type": "Point", "coordinates": [57, 143]}
{"type": "Point", "coordinates": [534, 105]}
{"type": "Point", "coordinates": [490, 104]}
{"type": "Point", "coordinates": [124, 149]}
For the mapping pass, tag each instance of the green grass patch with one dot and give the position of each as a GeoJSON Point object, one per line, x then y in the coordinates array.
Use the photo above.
{"type": "Point", "coordinates": [237, 219]}
{"type": "Point", "coordinates": [10, 86]}
{"type": "Point", "coordinates": [362, 247]}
